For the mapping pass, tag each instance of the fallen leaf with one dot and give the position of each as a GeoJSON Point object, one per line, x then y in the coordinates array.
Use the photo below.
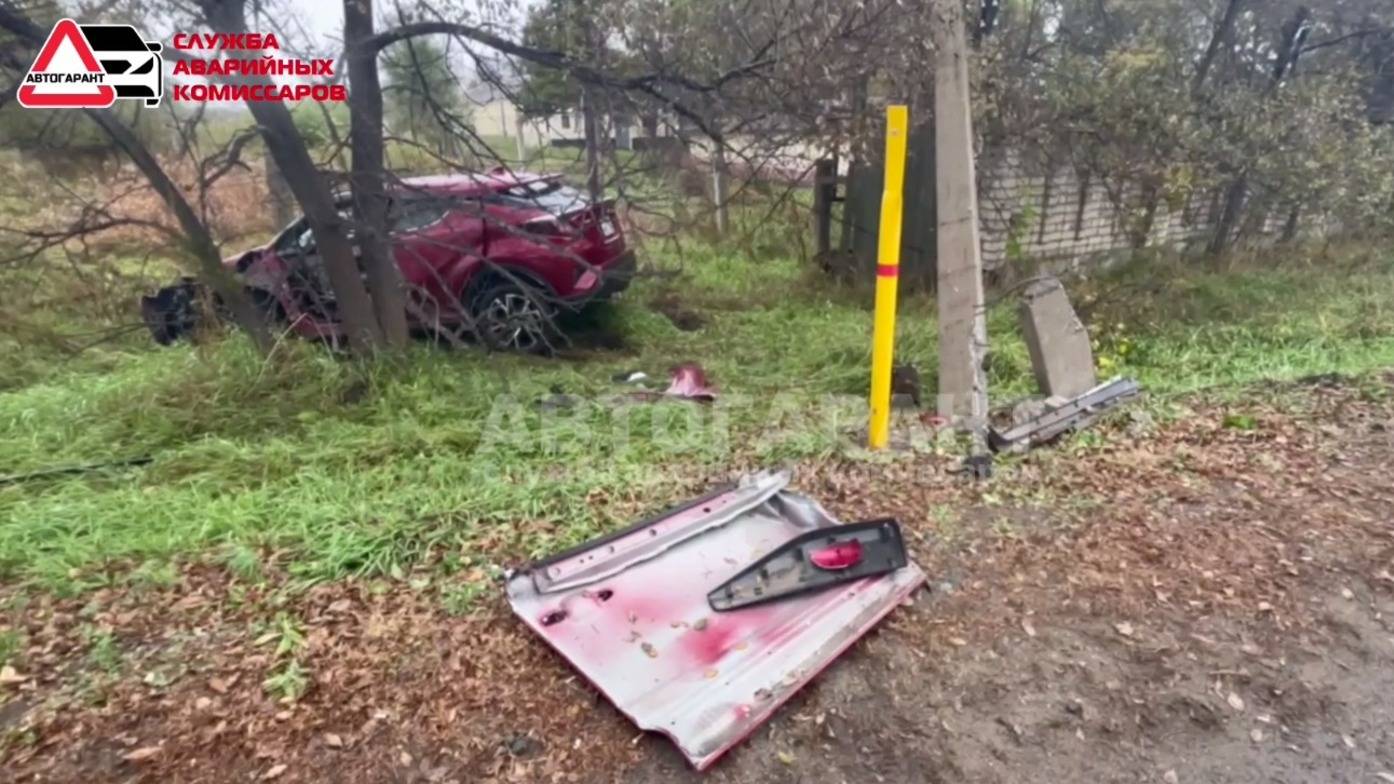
{"type": "Point", "coordinates": [1235, 701]}
{"type": "Point", "coordinates": [273, 772]}
{"type": "Point", "coordinates": [1124, 628]}
{"type": "Point", "coordinates": [141, 754]}
{"type": "Point", "coordinates": [341, 606]}
{"type": "Point", "coordinates": [9, 676]}
{"type": "Point", "coordinates": [219, 685]}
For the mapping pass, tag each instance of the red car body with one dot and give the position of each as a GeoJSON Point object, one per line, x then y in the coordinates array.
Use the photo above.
{"type": "Point", "coordinates": [517, 237]}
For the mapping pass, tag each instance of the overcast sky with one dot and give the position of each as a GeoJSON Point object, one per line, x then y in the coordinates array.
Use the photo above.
{"type": "Point", "coordinates": [324, 19]}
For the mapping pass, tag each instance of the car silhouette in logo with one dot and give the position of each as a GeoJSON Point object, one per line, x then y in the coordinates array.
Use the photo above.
{"type": "Point", "coordinates": [133, 65]}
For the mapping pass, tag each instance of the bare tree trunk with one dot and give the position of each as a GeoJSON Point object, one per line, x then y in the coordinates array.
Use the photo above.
{"type": "Point", "coordinates": [720, 190]}
{"type": "Point", "coordinates": [1289, 46]}
{"type": "Point", "coordinates": [282, 211]}
{"type": "Point", "coordinates": [1290, 225]}
{"type": "Point", "coordinates": [590, 125]}
{"type": "Point", "coordinates": [590, 103]}
{"type": "Point", "coordinates": [1235, 196]}
{"type": "Point", "coordinates": [1223, 31]}
{"type": "Point", "coordinates": [369, 178]}
{"type": "Point", "coordinates": [287, 146]}
{"type": "Point", "coordinates": [1142, 230]}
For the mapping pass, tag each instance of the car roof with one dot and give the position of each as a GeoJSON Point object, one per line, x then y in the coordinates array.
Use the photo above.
{"type": "Point", "coordinates": [496, 179]}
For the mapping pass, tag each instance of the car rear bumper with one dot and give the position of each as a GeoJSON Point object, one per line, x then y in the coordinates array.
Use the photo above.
{"type": "Point", "coordinates": [616, 275]}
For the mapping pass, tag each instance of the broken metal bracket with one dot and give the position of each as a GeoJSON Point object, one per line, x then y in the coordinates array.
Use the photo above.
{"type": "Point", "coordinates": [978, 466]}
{"type": "Point", "coordinates": [815, 560]}
{"type": "Point", "coordinates": [1075, 414]}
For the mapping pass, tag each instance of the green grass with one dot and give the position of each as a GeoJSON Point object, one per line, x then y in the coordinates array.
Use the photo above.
{"type": "Point", "coordinates": [311, 468]}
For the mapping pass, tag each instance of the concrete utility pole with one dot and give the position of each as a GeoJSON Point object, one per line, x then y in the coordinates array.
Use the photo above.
{"type": "Point", "coordinates": [962, 320]}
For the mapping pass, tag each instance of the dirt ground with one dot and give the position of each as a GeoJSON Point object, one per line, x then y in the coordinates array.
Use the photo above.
{"type": "Point", "coordinates": [1188, 602]}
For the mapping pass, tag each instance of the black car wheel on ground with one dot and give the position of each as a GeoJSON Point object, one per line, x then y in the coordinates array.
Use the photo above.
{"type": "Point", "coordinates": [512, 317]}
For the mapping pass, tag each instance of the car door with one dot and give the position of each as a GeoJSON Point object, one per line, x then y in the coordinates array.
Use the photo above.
{"type": "Point", "coordinates": [436, 243]}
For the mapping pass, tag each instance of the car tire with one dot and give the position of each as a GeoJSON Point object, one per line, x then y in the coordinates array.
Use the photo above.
{"type": "Point", "coordinates": [509, 316]}
{"type": "Point", "coordinates": [273, 315]}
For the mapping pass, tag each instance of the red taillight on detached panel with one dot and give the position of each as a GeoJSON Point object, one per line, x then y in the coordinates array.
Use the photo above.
{"type": "Point", "coordinates": [837, 556]}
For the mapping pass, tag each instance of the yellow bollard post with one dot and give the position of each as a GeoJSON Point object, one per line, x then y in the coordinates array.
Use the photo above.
{"type": "Point", "coordinates": [887, 278]}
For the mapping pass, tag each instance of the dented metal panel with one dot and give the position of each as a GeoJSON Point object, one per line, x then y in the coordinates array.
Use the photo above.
{"type": "Point", "coordinates": [630, 612]}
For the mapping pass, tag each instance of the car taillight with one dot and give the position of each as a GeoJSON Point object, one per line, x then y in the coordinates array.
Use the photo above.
{"type": "Point", "coordinates": [544, 227]}
{"type": "Point", "coordinates": [841, 555]}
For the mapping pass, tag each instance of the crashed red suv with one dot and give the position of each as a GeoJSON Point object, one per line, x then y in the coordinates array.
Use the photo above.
{"type": "Point", "coordinates": [497, 254]}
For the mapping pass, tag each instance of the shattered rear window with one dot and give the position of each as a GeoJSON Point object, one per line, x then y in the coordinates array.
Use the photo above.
{"type": "Point", "coordinates": [549, 196]}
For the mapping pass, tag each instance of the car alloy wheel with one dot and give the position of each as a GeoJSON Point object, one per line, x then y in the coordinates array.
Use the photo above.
{"type": "Point", "coordinates": [513, 321]}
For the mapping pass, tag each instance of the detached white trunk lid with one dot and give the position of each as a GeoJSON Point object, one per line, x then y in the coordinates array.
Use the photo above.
{"type": "Point", "coordinates": [630, 611]}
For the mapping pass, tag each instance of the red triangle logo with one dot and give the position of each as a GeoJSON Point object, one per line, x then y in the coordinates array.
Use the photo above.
{"type": "Point", "coordinates": [29, 96]}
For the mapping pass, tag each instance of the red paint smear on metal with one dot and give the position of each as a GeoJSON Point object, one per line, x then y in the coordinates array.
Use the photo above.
{"type": "Point", "coordinates": [887, 270]}
{"type": "Point", "coordinates": [787, 694]}
{"type": "Point", "coordinates": [721, 633]}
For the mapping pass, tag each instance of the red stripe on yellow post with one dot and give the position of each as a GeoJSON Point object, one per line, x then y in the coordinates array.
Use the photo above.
{"type": "Point", "coordinates": [887, 277]}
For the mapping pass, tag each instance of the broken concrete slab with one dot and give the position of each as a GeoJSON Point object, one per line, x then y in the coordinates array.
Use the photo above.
{"type": "Point", "coordinates": [1061, 356]}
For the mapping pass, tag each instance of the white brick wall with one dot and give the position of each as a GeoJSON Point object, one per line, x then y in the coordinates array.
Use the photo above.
{"type": "Point", "coordinates": [1064, 218]}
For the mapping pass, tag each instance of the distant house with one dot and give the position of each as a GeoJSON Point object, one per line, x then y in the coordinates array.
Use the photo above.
{"type": "Point", "coordinates": [497, 116]}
